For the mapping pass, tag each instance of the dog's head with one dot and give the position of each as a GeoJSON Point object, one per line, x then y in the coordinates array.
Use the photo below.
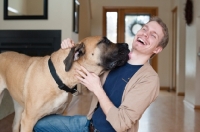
{"type": "Point", "coordinates": [98, 54]}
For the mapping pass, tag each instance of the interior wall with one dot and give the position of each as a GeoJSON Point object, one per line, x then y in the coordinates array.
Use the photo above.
{"type": "Point", "coordinates": [85, 19]}
{"type": "Point", "coordinates": [164, 12]}
{"type": "Point", "coordinates": [181, 49]}
{"type": "Point", "coordinates": [197, 92]}
{"type": "Point", "coordinates": [181, 31]}
{"type": "Point", "coordinates": [192, 83]}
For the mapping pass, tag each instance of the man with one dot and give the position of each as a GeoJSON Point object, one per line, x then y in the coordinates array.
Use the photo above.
{"type": "Point", "coordinates": [122, 95]}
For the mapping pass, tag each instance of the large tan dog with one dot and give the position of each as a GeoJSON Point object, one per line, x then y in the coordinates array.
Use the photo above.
{"type": "Point", "coordinates": [35, 92]}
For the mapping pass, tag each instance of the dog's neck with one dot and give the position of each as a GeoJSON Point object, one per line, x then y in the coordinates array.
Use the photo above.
{"type": "Point", "coordinates": [69, 77]}
{"type": "Point", "coordinates": [59, 82]}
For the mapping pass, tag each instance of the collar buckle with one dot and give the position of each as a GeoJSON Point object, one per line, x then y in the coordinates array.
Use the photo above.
{"type": "Point", "coordinates": [76, 92]}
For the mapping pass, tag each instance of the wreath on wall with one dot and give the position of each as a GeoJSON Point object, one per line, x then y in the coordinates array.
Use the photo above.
{"type": "Point", "coordinates": [189, 12]}
{"type": "Point", "coordinates": [135, 26]}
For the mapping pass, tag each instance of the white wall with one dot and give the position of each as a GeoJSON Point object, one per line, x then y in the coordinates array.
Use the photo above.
{"type": "Point", "coordinates": [197, 91]}
{"type": "Point", "coordinates": [164, 12]}
{"type": "Point", "coordinates": [181, 27]}
{"type": "Point", "coordinates": [192, 71]}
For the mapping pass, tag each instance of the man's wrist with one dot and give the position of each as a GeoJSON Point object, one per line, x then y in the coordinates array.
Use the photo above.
{"type": "Point", "coordinates": [99, 91]}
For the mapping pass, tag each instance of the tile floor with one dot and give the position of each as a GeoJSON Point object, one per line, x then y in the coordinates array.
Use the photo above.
{"type": "Point", "coordinates": [167, 114]}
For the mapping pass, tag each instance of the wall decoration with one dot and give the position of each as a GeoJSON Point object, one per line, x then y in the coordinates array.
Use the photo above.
{"type": "Point", "coordinates": [76, 16]}
{"type": "Point", "coordinates": [135, 26]}
{"type": "Point", "coordinates": [189, 12]}
{"type": "Point", "coordinates": [18, 9]}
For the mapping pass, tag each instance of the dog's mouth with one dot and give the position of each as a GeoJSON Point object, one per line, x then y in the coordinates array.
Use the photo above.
{"type": "Point", "coordinates": [116, 59]}
{"type": "Point", "coordinates": [117, 63]}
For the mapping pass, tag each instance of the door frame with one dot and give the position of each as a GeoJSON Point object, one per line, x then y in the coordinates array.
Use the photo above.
{"type": "Point", "coordinates": [174, 49]}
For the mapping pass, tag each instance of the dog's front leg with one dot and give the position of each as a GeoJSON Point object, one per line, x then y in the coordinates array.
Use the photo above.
{"type": "Point", "coordinates": [17, 118]}
{"type": "Point", "coordinates": [29, 118]}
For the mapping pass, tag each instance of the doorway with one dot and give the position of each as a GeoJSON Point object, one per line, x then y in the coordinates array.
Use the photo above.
{"type": "Point", "coordinates": [120, 24]}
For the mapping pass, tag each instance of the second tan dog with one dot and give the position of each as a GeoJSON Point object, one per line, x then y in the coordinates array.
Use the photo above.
{"type": "Point", "coordinates": [35, 92]}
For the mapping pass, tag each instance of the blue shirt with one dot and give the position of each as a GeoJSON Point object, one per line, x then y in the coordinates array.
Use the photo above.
{"type": "Point", "coordinates": [114, 87]}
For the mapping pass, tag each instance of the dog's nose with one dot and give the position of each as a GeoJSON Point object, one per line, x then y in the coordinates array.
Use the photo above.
{"type": "Point", "coordinates": [125, 45]}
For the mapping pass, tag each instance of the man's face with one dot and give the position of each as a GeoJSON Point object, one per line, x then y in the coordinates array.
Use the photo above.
{"type": "Point", "coordinates": [147, 39]}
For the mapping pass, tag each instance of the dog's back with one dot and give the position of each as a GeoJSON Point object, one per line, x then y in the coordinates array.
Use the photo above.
{"type": "Point", "coordinates": [8, 69]}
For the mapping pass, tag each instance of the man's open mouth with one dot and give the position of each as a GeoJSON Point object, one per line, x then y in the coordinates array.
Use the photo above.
{"type": "Point", "coordinates": [141, 41]}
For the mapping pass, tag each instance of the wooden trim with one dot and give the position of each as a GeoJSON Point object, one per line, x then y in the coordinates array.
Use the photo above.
{"type": "Point", "coordinates": [104, 22]}
{"type": "Point", "coordinates": [138, 8]}
{"type": "Point", "coordinates": [90, 9]}
{"type": "Point", "coordinates": [154, 63]}
{"type": "Point", "coordinates": [191, 105]}
{"type": "Point", "coordinates": [121, 31]}
{"type": "Point", "coordinates": [197, 107]}
{"type": "Point", "coordinates": [164, 88]}
{"type": "Point", "coordinates": [181, 94]}
{"type": "Point", "coordinates": [175, 9]}
{"type": "Point", "coordinates": [174, 48]}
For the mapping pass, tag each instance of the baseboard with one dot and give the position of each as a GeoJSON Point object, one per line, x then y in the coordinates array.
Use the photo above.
{"type": "Point", "coordinates": [191, 105]}
{"type": "Point", "coordinates": [181, 94]}
{"type": "Point", "coordinates": [164, 88]}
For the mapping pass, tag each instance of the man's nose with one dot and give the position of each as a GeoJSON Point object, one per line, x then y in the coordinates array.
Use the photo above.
{"type": "Point", "coordinates": [146, 34]}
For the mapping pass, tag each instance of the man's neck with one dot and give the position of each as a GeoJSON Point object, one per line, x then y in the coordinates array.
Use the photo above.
{"type": "Point", "coordinates": [137, 59]}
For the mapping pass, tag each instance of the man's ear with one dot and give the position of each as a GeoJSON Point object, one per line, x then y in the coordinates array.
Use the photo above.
{"type": "Point", "coordinates": [158, 50]}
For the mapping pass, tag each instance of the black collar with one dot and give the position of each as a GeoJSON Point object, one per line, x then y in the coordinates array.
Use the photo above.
{"type": "Point", "coordinates": [61, 85]}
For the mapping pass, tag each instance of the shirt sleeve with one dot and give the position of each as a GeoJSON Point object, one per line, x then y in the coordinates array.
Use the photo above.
{"type": "Point", "coordinates": [135, 101]}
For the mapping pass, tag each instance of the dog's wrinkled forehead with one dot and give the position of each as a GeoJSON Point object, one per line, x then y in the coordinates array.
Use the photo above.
{"type": "Point", "coordinates": [104, 40]}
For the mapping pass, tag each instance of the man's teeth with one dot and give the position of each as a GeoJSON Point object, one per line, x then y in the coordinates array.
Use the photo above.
{"type": "Point", "coordinates": [139, 39]}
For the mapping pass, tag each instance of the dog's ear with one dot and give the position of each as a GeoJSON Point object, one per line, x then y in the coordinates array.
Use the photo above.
{"type": "Point", "coordinates": [69, 59]}
{"type": "Point", "coordinates": [74, 54]}
{"type": "Point", "coordinates": [79, 51]}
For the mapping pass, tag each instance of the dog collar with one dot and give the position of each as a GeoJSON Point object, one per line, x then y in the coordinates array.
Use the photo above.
{"type": "Point", "coordinates": [61, 85]}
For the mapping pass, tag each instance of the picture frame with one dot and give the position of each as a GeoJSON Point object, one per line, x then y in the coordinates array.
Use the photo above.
{"type": "Point", "coordinates": [12, 14]}
{"type": "Point", "coordinates": [76, 7]}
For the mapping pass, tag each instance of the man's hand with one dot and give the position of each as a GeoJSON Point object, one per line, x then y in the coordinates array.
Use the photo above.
{"type": "Point", "coordinates": [90, 80]}
{"type": "Point", "coordinates": [93, 83]}
{"type": "Point", "coordinates": [67, 43]}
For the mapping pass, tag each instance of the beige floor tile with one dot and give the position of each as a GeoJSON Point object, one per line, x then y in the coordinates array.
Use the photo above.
{"type": "Point", "coordinates": [167, 114]}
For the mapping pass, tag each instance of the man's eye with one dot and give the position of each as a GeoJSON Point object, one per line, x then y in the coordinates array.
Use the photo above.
{"type": "Point", "coordinates": [144, 29]}
{"type": "Point", "coordinates": [153, 36]}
